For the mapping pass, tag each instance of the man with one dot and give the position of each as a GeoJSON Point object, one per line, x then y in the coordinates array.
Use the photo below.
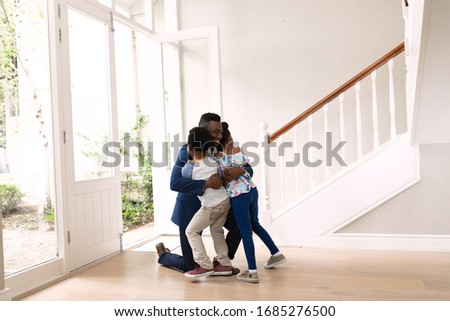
{"type": "Point", "coordinates": [187, 202]}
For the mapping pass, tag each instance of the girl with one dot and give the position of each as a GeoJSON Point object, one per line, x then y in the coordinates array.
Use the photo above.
{"type": "Point", "coordinates": [244, 199]}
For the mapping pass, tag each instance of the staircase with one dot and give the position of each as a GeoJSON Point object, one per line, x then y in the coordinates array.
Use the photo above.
{"type": "Point", "coordinates": [341, 158]}
{"type": "Point", "coordinates": [348, 195]}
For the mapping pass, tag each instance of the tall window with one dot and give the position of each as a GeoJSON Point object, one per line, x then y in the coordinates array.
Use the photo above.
{"type": "Point", "coordinates": [133, 108]}
{"type": "Point", "coordinates": [26, 170]}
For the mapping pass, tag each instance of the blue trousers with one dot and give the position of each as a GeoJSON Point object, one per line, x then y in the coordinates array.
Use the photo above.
{"type": "Point", "coordinates": [245, 208]}
{"type": "Point", "coordinates": [186, 262]}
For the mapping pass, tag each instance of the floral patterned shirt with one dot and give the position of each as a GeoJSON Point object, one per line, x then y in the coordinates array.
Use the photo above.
{"type": "Point", "coordinates": [242, 184]}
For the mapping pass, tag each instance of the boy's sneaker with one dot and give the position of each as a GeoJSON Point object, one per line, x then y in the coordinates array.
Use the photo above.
{"type": "Point", "coordinates": [220, 269]}
{"type": "Point", "coordinates": [198, 271]}
{"type": "Point", "coordinates": [274, 261]}
{"type": "Point", "coordinates": [234, 270]}
{"type": "Point", "coordinates": [247, 277]}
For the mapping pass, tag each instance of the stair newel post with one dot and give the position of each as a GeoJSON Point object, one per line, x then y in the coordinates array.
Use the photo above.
{"type": "Point", "coordinates": [376, 135]}
{"type": "Point", "coordinates": [264, 190]}
{"type": "Point", "coordinates": [392, 98]}
{"type": "Point", "coordinates": [342, 121]}
{"type": "Point", "coordinates": [358, 120]}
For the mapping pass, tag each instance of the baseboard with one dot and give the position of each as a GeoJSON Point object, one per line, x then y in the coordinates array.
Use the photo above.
{"type": "Point", "coordinates": [428, 243]}
{"type": "Point", "coordinates": [5, 295]}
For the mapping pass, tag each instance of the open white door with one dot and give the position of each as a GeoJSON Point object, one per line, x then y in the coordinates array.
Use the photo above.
{"type": "Point", "coordinates": [189, 61]}
{"type": "Point", "coordinates": [90, 120]}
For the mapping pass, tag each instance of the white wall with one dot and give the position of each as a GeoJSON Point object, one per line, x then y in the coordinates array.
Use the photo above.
{"type": "Point", "coordinates": [429, 57]}
{"type": "Point", "coordinates": [422, 209]}
{"type": "Point", "coordinates": [280, 57]}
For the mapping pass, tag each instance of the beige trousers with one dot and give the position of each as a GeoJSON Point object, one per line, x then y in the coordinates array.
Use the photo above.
{"type": "Point", "coordinates": [215, 218]}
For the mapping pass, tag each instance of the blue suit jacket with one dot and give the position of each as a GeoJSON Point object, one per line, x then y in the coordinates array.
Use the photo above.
{"type": "Point", "coordinates": [187, 202]}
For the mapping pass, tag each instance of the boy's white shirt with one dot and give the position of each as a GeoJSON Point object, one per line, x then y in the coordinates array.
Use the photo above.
{"type": "Point", "coordinates": [202, 170]}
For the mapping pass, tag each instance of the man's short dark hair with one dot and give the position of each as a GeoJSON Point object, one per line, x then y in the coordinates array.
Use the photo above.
{"type": "Point", "coordinates": [206, 118]}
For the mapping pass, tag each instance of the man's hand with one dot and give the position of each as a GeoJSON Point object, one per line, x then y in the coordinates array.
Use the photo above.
{"type": "Point", "coordinates": [231, 173]}
{"type": "Point", "coordinates": [213, 182]}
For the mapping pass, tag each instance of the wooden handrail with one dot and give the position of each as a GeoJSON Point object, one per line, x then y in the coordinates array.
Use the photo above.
{"type": "Point", "coordinates": [317, 106]}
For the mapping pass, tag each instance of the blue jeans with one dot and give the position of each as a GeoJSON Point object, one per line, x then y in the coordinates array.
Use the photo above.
{"type": "Point", "coordinates": [183, 263]}
{"type": "Point", "coordinates": [245, 208]}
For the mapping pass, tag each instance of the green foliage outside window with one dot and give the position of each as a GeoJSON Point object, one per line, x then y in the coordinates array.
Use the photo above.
{"type": "Point", "coordinates": [10, 197]}
{"type": "Point", "coordinates": [137, 187]}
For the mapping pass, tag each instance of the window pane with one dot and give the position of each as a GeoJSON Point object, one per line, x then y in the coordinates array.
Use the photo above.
{"type": "Point", "coordinates": [26, 167]}
{"type": "Point", "coordinates": [137, 10]}
{"type": "Point", "coordinates": [196, 80]}
{"type": "Point", "coordinates": [107, 3]}
{"type": "Point", "coordinates": [89, 77]}
{"type": "Point", "coordinates": [172, 96]}
{"type": "Point", "coordinates": [133, 107]}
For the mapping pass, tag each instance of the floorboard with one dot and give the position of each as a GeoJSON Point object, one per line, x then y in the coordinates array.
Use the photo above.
{"type": "Point", "coordinates": [308, 275]}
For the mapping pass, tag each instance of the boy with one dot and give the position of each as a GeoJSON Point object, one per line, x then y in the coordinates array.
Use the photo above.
{"type": "Point", "coordinates": [213, 211]}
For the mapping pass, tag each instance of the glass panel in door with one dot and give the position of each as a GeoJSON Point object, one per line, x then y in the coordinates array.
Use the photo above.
{"type": "Point", "coordinates": [89, 71]}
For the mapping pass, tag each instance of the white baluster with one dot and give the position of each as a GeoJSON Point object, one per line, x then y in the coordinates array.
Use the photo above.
{"type": "Point", "coordinates": [265, 209]}
{"type": "Point", "coordinates": [358, 120]}
{"type": "Point", "coordinates": [281, 166]}
{"type": "Point", "coordinates": [325, 118]}
{"type": "Point", "coordinates": [342, 122]}
{"type": "Point", "coordinates": [297, 168]}
{"type": "Point", "coordinates": [376, 135]}
{"type": "Point", "coordinates": [392, 98]}
{"type": "Point", "coordinates": [312, 182]}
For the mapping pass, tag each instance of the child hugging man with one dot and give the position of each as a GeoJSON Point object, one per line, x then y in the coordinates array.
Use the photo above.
{"type": "Point", "coordinates": [244, 199]}
{"type": "Point", "coordinates": [214, 209]}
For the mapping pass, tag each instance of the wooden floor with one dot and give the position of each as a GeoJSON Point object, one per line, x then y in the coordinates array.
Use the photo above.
{"type": "Point", "coordinates": [308, 274]}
